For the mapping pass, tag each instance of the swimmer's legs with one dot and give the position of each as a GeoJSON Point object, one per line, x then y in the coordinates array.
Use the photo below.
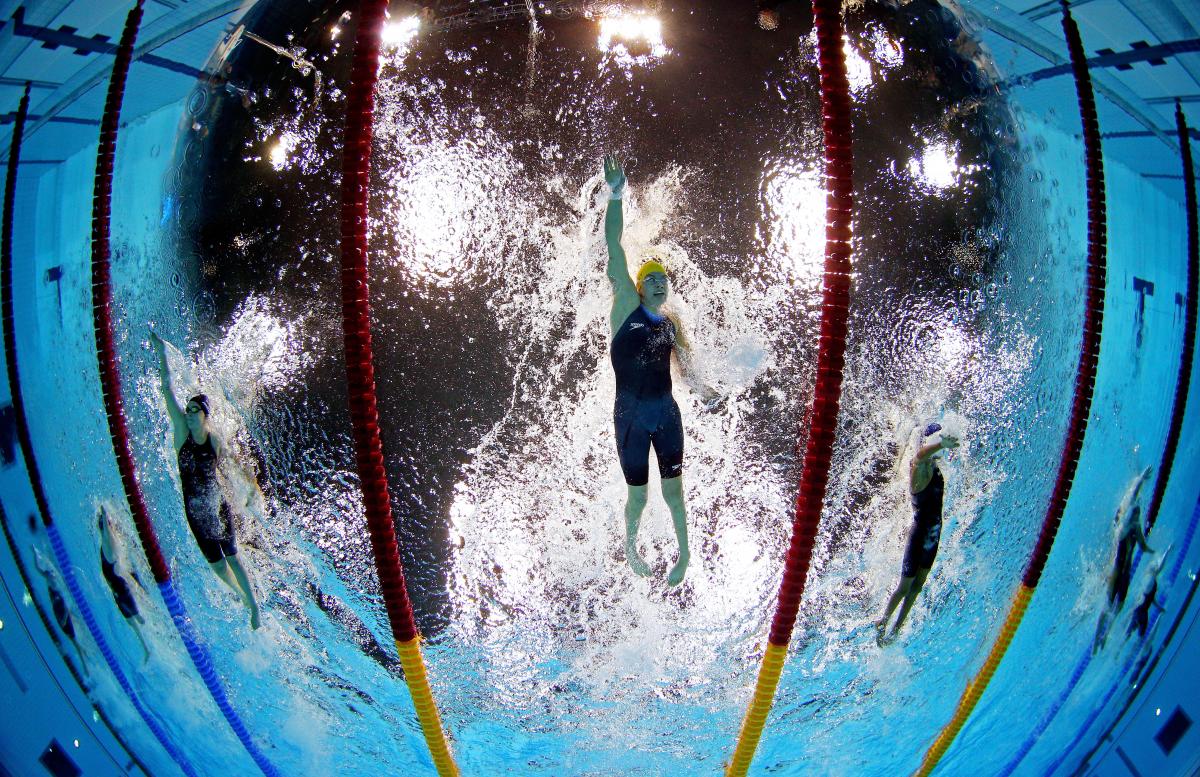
{"type": "Point", "coordinates": [1101, 631]}
{"type": "Point", "coordinates": [247, 590]}
{"type": "Point", "coordinates": [230, 570]}
{"type": "Point", "coordinates": [635, 503]}
{"type": "Point", "coordinates": [136, 622]}
{"type": "Point", "coordinates": [672, 489]}
{"type": "Point", "coordinates": [221, 569]}
{"type": "Point", "coordinates": [918, 583]}
{"type": "Point", "coordinates": [897, 596]}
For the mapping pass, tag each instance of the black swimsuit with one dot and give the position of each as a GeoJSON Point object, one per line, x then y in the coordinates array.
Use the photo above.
{"type": "Point", "coordinates": [927, 526]}
{"type": "Point", "coordinates": [1123, 569]}
{"type": "Point", "coordinates": [645, 413]}
{"type": "Point", "coordinates": [120, 588]}
{"type": "Point", "coordinates": [207, 511]}
{"type": "Point", "coordinates": [61, 613]}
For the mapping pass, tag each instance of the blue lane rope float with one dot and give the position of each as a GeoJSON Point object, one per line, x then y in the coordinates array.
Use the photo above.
{"type": "Point", "coordinates": [204, 666]}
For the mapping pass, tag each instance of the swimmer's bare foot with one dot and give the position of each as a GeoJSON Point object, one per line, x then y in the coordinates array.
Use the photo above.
{"type": "Point", "coordinates": [255, 621]}
{"type": "Point", "coordinates": [881, 633]}
{"type": "Point", "coordinates": [677, 571]}
{"type": "Point", "coordinates": [636, 563]}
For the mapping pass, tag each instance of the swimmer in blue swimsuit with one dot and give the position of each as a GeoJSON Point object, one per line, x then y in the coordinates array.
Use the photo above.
{"type": "Point", "coordinates": [199, 451]}
{"type": "Point", "coordinates": [645, 415]}
{"type": "Point", "coordinates": [117, 582]}
{"type": "Point", "coordinates": [926, 485]}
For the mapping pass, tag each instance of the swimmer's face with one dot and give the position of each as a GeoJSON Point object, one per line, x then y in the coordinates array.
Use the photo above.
{"type": "Point", "coordinates": [195, 416]}
{"type": "Point", "coordinates": [654, 288]}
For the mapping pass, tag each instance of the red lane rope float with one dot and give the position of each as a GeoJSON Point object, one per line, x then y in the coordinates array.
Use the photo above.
{"type": "Point", "coordinates": [835, 308]}
{"type": "Point", "coordinates": [1085, 383]}
{"type": "Point", "coordinates": [360, 375]}
{"type": "Point", "coordinates": [110, 383]}
{"type": "Point", "coordinates": [1183, 382]}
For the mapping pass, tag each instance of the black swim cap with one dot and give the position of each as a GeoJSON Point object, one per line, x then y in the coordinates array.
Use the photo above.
{"type": "Point", "coordinates": [202, 401]}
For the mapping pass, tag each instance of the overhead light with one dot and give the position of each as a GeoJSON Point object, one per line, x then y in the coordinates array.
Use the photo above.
{"type": "Point", "coordinates": [400, 33]}
{"type": "Point", "coordinates": [632, 28]}
{"type": "Point", "coordinates": [281, 152]}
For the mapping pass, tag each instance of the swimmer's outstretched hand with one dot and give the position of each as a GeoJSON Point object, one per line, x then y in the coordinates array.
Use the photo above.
{"type": "Point", "coordinates": [677, 572]}
{"type": "Point", "coordinates": [949, 441]}
{"type": "Point", "coordinates": [614, 176]}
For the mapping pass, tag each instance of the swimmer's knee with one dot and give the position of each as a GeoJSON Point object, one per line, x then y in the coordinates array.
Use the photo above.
{"type": "Point", "coordinates": [636, 495]}
{"type": "Point", "coordinates": [218, 566]}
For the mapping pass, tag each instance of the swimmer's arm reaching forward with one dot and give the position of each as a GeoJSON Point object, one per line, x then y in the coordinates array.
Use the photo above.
{"type": "Point", "coordinates": [174, 411]}
{"type": "Point", "coordinates": [625, 294]}
{"type": "Point", "coordinates": [921, 470]}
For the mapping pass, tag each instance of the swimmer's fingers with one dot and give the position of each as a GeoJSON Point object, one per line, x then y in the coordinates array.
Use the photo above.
{"type": "Point", "coordinates": [613, 174]}
{"type": "Point", "coordinates": [949, 441]}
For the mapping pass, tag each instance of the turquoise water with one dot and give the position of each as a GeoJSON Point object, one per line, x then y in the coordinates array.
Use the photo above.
{"type": "Point", "coordinates": [546, 655]}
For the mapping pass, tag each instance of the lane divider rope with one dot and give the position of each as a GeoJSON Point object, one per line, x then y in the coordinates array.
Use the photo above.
{"type": "Point", "coordinates": [360, 376]}
{"type": "Point", "coordinates": [1085, 383]}
{"type": "Point", "coordinates": [835, 307]}
{"type": "Point", "coordinates": [110, 384]}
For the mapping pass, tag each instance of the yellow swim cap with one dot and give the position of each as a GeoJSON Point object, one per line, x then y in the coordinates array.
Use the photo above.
{"type": "Point", "coordinates": [649, 266]}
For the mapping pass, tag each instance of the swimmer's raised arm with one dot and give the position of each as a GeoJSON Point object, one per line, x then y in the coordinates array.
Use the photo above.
{"type": "Point", "coordinates": [625, 294]}
{"type": "Point", "coordinates": [174, 411]}
{"type": "Point", "coordinates": [919, 472]}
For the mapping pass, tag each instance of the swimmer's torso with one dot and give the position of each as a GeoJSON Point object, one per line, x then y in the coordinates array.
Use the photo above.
{"type": "Point", "coordinates": [198, 480]}
{"type": "Point", "coordinates": [641, 355]}
{"type": "Point", "coordinates": [927, 503]}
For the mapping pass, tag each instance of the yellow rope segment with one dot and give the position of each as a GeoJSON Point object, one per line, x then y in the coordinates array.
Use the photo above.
{"type": "Point", "coordinates": [975, 688]}
{"type": "Point", "coordinates": [756, 713]}
{"type": "Point", "coordinates": [427, 714]}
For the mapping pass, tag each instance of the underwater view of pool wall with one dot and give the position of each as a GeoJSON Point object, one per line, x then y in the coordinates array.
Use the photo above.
{"type": "Point", "coordinates": [478, 530]}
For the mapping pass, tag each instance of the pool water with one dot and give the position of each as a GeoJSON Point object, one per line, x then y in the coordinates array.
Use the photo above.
{"type": "Point", "coordinates": [546, 655]}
